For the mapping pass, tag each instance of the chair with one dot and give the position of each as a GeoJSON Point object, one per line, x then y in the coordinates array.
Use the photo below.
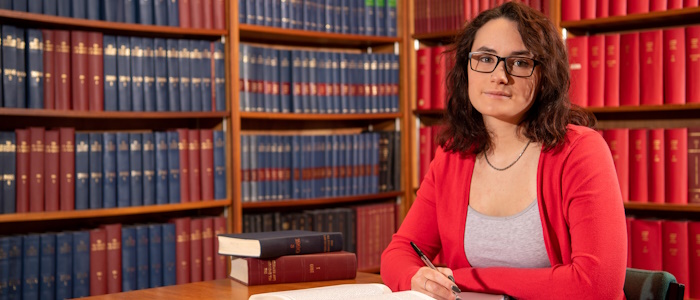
{"type": "Point", "coordinates": [644, 284]}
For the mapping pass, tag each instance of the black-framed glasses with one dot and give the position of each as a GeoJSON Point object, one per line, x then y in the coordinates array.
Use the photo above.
{"type": "Point", "coordinates": [518, 66]}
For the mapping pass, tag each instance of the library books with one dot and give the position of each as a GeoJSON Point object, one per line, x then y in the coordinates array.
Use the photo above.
{"type": "Point", "coordinates": [294, 268]}
{"type": "Point", "coordinates": [279, 243]}
{"type": "Point", "coordinates": [364, 291]}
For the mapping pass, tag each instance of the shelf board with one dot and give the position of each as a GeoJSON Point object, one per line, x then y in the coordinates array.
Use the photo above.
{"type": "Point", "coordinates": [662, 207]}
{"type": "Point", "coordinates": [317, 117]}
{"type": "Point", "coordinates": [636, 22]}
{"type": "Point", "coordinates": [110, 212]}
{"type": "Point", "coordinates": [55, 22]}
{"type": "Point", "coordinates": [430, 112]}
{"type": "Point", "coordinates": [256, 33]}
{"type": "Point", "coordinates": [291, 203]}
{"type": "Point", "coordinates": [437, 37]}
{"type": "Point", "coordinates": [120, 115]}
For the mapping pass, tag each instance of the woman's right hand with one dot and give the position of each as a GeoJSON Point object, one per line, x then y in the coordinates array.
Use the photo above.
{"type": "Point", "coordinates": [434, 283]}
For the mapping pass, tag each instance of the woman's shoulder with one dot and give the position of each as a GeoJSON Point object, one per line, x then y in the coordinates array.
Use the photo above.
{"type": "Point", "coordinates": [578, 137]}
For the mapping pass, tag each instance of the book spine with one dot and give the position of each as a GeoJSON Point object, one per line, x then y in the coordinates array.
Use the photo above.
{"type": "Point", "coordinates": [47, 265]}
{"type": "Point", "coordinates": [182, 250]}
{"type": "Point", "coordinates": [62, 69]}
{"type": "Point", "coordinates": [149, 75]}
{"type": "Point", "coordinates": [155, 255]}
{"type": "Point", "coordinates": [694, 258]}
{"type": "Point", "coordinates": [35, 68]}
{"type": "Point", "coordinates": [81, 264]}
{"type": "Point", "coordinates": [95, 170]}
{"type": "Point", "coordinates": [196, 248]}
{"type": "Point", "coordinates": [113, 236]}
{"type": "Point", "coordinates": [646, 244]}
{"type": "Point", "coordinates": [137, 73]}
{"type": "Point", "coordinates": [162, 167]}
{"type": "Point", "coordinates": [692, 60]}
{"type": "Point", "coordinates": [51, 170]}
{"type": "Point", "coordinates": [111, 84]}
{"type": "Point", "coordinates": [173, 74]}
{"type": "Point", "coordinates": [694, 165]}
{"type": "Point", "coordinates": [596, 70]}
{"type": "Point", "coordinates": [110, 11]}
{"type": "Point", "coordinates": [64, 265]}
{"type": "Point", "coordinates": [186, 179]}
{"type": "Point", "coordinates": [36, 169]}
{"type": "Point", "coordinates": [66, 169]}
{"type": "Point", "coordinates": [82, 171]}
{"type": "Point", "coordinates": [423, 60]}
{"type": "Point", "coordinates": [674, 66]}
{"type": "Point", "coordinates": [571, 10]}
{"type": "Point", "coordinates": [184, 13]}
{"type": "Point", "coordinates": [630, 65]}
{"type": "Point", "coordinates": [78, 9]}
{"type": "Point", "coordinates": [185, 74]}
{"type": "Point", "coordinates": [205, 65]}
{"type": "Point", "coordinates": [79, 69]}
{"type": "Point", "coordinates": [219, 260]}
{"type": "Point", "coordinates": [300, 268]}
{"type": "Point", "coordinates": [21, 67]}
{"type": "Point", "coordinates": [124, 73]}
{"type": "Point", "coordinates": [676, 165]}
{"type": "Point", "coordinates": [98, 262]}
{"type": "Point", "coordinates": [48, 61]}
{"type": "Point", "coordinates": [130, 11]}
{"type": "Point", "coordinates": [675, 249]}
{"type": "Point", "coordinates": [195, 75]}
{"type": "Point", "coordinates": [194, 162]}
{"type": "Point", "coordinates": [136, 169]}
{"type": "Point", "coordinates": [578, 60]}
{"type": "Point", "coordinates": [206, 152]}
{"type": "Point", "coordinates": [658, 5]}
{"type": "Point", "coordinates": [611, 85]}
{"type": "Point", "coordinates": [31, 251]}
{"type": "Point", "coordinates": [94, 10]}
{"type": "Point", "coordinates": [329, 242]}
{"type": "Point", "coordinates": [638, 165]}
{"type": "Point", "coordinates": [109, 170]}
{"type": "Point", "coordinates": [149, 168]}
{"type": "Point", "coordinates": [656, 166]}
{"type": "Point", "coordinates": [219, 10]}
{"type": "Point", "coordinates": [618, 8]}
{"type": "Point", "coordinates": [95, 71]}
{"type": "Point", "coordinates": [245, 168]}
{"type": "Point", "coordinates": [145, 12]}
{"type": "Point", "coordinates": [161, 74]}
{"type": "Point", "coordinates": [9, 64]}
{"type": "Point", "coordinates": [7, 171]}
{"type": "Point", "coordinates": [169, 254]}
{"type": "Point", "coordinates": [173, 167]}
{"type": "Point", "coordinates": [49, 7]}
{"type": "Point", "coordinates": [219, 83]}
{"type": "Point", "coordinates": [123, 170]}
{"type": "Point", "coordinates": [128, 259]}
{"type": "Point", "coordinates": [160, 12]}
{"type": "Point", "coordinates": [651, 69]}
{"type": "Point", "coordinates": [142, 259]}
{"type": "Point", "coordinates": [618, 141]}
{"type": "Point", "coordinates": [219, 154]}
{"type": "Point", "coordinates": [14, 261]}
{"type": "Point", "coordinates": [244, 70]}
{"type": "Point", "coordinates": [173, 7]}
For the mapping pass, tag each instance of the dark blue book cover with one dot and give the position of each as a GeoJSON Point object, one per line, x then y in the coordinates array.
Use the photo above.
{"type": "Point", "coordinates": [19, 5]}
{"type": "Point", "coordinates": [95, 167]}
{"type": "Point", "coordinates": [124, 73]}
{"type": "Point", "coordinates": [306, 81]}
{"type": "Point", "coordinates": [242, 11]}
{"type": "Point", "coordinates": [50, 7]}
{"type": "Point", "coordinates": [336, 16]}
{"type": "Point", "coordinates": [314, 77]}
{"type": "Point", "coordinates": [184, 71]}
{"type": "Point", "coordinates": [394, 80]}
{"type": "Point", "coordinates": [325, 10]}
{"type": "Point", "coordinates": [109, 170]}
{"type": "Point", "coordinates": [334, 164]}
{"type": "Point", "coordinates": [257, 61]}
{"type": "Point", "coordinates": [137, 100]}
{"type": "Point", "coordinates": [379, 17]}
{"type": "Point", "coordinates": [196, 70]}
{"type": "Point", "coordinates": [343, 81]}
{"type": "Point", "coordinates": [372, 100]}
{"type": "Point", "coordinates": [168, 244]}
{"type": "Point", "coordinates": [323, 82]}
{"type": "Point", "coordinates": [94, 10]}
{"type": "Point", "coordinates": [328, 166]}
{"type": "Point", "coordinates": [275, 13]}
{"type": "Point", "coordinates": [350, 161]}
{"type": "Point", "coordinates": [266, 77]}
{"type": "Point", "coordinates": [128, 258]}
{"type": "Point", "coordinates": [111, 99]}
{"type": "Point", "coordinates": [362, 17]}
{"type": "Point", "coordinates": [31, 251]}
{"type": "Point", "coordinates": [261, 149]}
{"type": "Point", "coordinates": [374, 162]}
{"type": "Point", "coordinates": [219, 76]}
{"type": "Point", "coordinates": [250, 15]}
{"type": "Point", "coordinates": [284, 13]}
{"type": "Point", "coordinates": [345, 16]}
{"type": "Point", "coordinates": [149, 169]}
{"type": "Point", "coordinates": [173, 167]}
{"type": "Point", "coordinates": [9, 65]}
{"type": "Point", "coordinates": [4, 266]}
{"type": "Point", "coordinates": [82, 170]}
{"type": "Point", "coordinates": [173, 58]}
{"type": "Point", "coordinates": [272, 166]}
{"type": "Point", "coordinates": [63, 8]}
{"type": "Point", "coordinates": [160, 12]}
{"type": "Point", "coordinates": [266, 12]}
{"type": "Point", "coordinates": [244, 65]}
{"type": "Point", "coordinates": [296, 167]}
{"type": "Point", "coordinates": [307, 13]}
{"type": "Point", "coordinates": [342, 164]}
{"type": "Point", "coordinates": [245, 168]}
{"type": "Point", "coordinates": [47, 266]}
{"type": "Point", "coordinates": [206, 75]}
{"type": "Point", "coordinates": [6, 4]}
{"type": "Point", "coordinates": [219, 165]}
{"type": "Point", "coordinates": [259, 10]}
{"type": "Point", "coordinates": [123, 170]}
{"type": "Point", "coordinates": [81, 264]}
{"type": "Point", "coordinates": [130, 11]}
{"type": "Point", "coordinates": [21, 67]}
{"type": "Point", "coordinates": [155, 255]}
{"type": "Point", "coordinates": [14, 256]}
{"type": "Point", "coordinates": [274, 78]}
{"type": "Point", "coordinates": [136, 169]}
{"type": "Point", "coordinates": [142, 263]}
{"type": "Point", "coordinates": [295, 82]}
{"type": "Point", "coordinates": [64, 265]}
{"type": "Point", "coordinates": [110, 10]}
{"type": "Point", "coordinates": [79, 9]}
{"type": "Point", "coordinates": [390, 17]}
{"type": "Point", "coordinates": [35, 6]}
{"type": "Point", "coordinates": [254, 166]}
{"type": "Point", "coordinates": [285, 80]}
{"type": "Point", "coordinates": [149, 75]}
{"type": "Point", "coordinates": [287, 165]}
{"type": "Point", "coordinates": [145, 10]}
{"type": "Point", "coordinates": [335, 80]}
{"type": "Point", "coordinates": [173, 13]}
{"type": "Point", "coordinates": [162, 175]}
{"type": "Point", "coordinates": [8, 163]}
{"type": "Point", "coordinates": [160, 61]}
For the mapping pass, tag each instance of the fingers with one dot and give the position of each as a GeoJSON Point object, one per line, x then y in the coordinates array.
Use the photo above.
{"type": "Point", "coordinates": [433, 283]}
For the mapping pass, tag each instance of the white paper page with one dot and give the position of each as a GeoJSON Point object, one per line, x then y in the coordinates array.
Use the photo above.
{"type": "Point", "coordinates": [403, 295]}
{"type": "Point", "coordinates": [336, 292]}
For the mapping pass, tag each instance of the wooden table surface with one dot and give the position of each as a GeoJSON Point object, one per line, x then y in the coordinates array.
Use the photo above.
{"type": "Point", "coordinates": [228, 289]}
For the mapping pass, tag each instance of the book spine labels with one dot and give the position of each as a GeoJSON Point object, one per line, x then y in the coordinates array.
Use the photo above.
{"type": "Point", "coordinates": [629, 62]}
{"type": "Point", "coordinates": [184, 72]}
{"type": "Point", "coordinates": [674, 66]}
{"type": "Point", "coordinates": [47, 265]}
{"type": "Point", "coordinates": [124, 73]}
{"type": "Point", "coordinates": [31, 251]}
{"type": "Point", "coordinates": [694, 165]}
{"type": "Point", "coordinates": [48, 68]}
{"type": "Point", "coordinates": [128, 259]}
{"type": "Point", "coordinates": [137, 73]}
{"type": "Point", "coordinates": [651, 67]}
{"type": "Point", "coordinates": [206, 75]}
{"type": "Point", "coordinates": [219, 164]}
{"type": "Point", "coordinates": [136, 168]}
{"type": "Point", "coordinates": [578, 60]}
{"type": "Point", "coordinates": [169, 254]}
{"type": "Point", "coordinates": [195, 61]}
{"type": "Point", "coordinates": [155, 255]}
{"type": "Point", "coordinates": [196, 255]}
{"type": "Point", "coordinates": [64, 265]}
{"type": "Point", "coordinates": [173, 167]}
{"type": "Point", "coordinates": [596, 69]}
{"type": "Point", "coordinates": [123, 170]}
{"type": "Point", "coordinates": [98, 262]}
{"type": "Point", "coordinates": [162, 168]}
{"type": "Point", "coordinates": [142, 259]}
{"type": "Point", "coordinates": [220, 263]}
{"type": "Point", "coordinates": [95, 71]}
{"type": "Point", "coordinates": [51, 170]}
{"type": "Point", "coordinates": [173, 72]}
{"type": "Point", "coordinates": [35, 68]}
{"type": "Point", "coordinates": [206, 151]}
{"type": "Point", "coordinates": [36, 169]}
{"type": "Point", "coordinates": [219, 76]}
{"type": "Point", "coordinates": [639, 160]}
{"type": "Point", "coordinates": [646, 244]}
{"type": "Point", "coordinates": [318, 244]}
{"type": "Point", "coordinates": [611, 86]}
{"type": "Point", "coordinates": [21, 67]}
{"type": "Point", "coordinates": [9, 64]}
{"type": "Point", "coordinates": [149, 75]}
{"type": "Point", "coordinates": [182, 250]}
{"type": "Point", "coordinates": [149, 168]}
{"type": "Point", "coordinates": [79, 69]}
{"type": "Point", "coordinates": [692, 60]}
{"type": "Point", "coordinates": [675, 260]}
{"type": "Point", "coordinates": [109, 170]}
{"type": "Point", "coordinates": [95, 170]}
{"type": "Point", "coordinates": [113, 235]}
{"type": "Point", "coordinates": [81, 264]}
{"type": "Point", "coordinates": [82, 171]}
{"type": "Point", "coordinates": [67, 168]}
{"type": "Point", "coordinates": [161, 75]}
{"type": "Point", "coordinates": [8, 172]}
{"type": "Point", "coordinates": [194, 162]}
{"type": "Point", "coordinates": [111, 83]}
{"type": "Point", "coordinates": [676, 163]}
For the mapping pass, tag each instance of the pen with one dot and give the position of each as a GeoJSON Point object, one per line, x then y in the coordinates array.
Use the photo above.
{"type": "Point", "coordinates": [430, 265]}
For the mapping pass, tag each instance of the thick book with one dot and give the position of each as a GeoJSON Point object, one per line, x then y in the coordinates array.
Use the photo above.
{"type": "Point", "coordinates": [184, 71]}
{"type": "Point", "coordinates": [113, 234]}
{"type": "Point", "coordinates": [51, 170]}
{"type": "Point", "coordinates": [675, 249]}
{"type": "Point", "coordinates": [145, 12]}
{"type": "Point", "coordinates": [95, 170]}
{"type": "Point", "coordinates": [423, 57]}
{"type": "Point", "coordinates": [160, 61]}
{"type": "Point", "coordinates": [35, 68]}
{"type": "Point", "coordinates": [207, 163]}
{"type": "Point", "coordinates": [148, 157]}
{"type": "Point", "coordinates": [194, 165]}
{"type": "Point", "coordinates": [48, 60]}
{"type": "Point", "coordinates": [219, 73]}
{"type": "Point", "coordinates": [109, 170]}
{"type": "Point", "coordinates": [36, 169]}
{"type": "Point", "coordinates": [136, 169]}
{"type": "Point", "coordinates": [161, 164]}
{"type": "Point", "coordinates": [611, 86]}
{"type": "Point", "coordinates": [596, 69]}
{"type": "Point", "coordinates": [173, 167]}
{"type": "Point", "coordinates": [577, 48]}
{"type": "Point", "coordinates": [128, 259]}
{"type": "Point", "coordinates": [219, 165]}
{"type": "Point", "coordinates": [109, 67]}
{"type": "Point", "coordinates": [294, 268]}
{"type": "Point", "coordinates": [169, 254]}
{"type": "Point", "coordinates": [630, 66]}
{"type": "Point", "coordinates": [694, 165]}
{"type": "Point", "coordinates": [21, 66]}
{"type": "Point", "coordinates": [220, 263]}
{"type": "Point", "coordinates": [142, 259]}
{"type": "Point", "coordinates": [22, 170]}
{"type": "Point", "coordinates": [155, 255]}
{"type": "Point", "coordinates": [692, 61]}
{"type": "Point", "coordinates": [123, 73]}
{"type": "Point", "coordinates": [182, 250]}
{"type": "Point", "coordinates": [66, 168]}
{"type": "Point", "coordinates": [278, 243]}
{"type": "Point", "coordinates": [9, 64]}
{"type": "Point", "coordinates": [123, 170]}
{"type": "Point", "coordinates": [47, 266]}
{"type": "Point", "coordinates": [361, 291]}
{"type": "Point", "coordinates": [646, 244]}
{"type": "Point", "coordinates": [676, 165]}
{"type": "Point", "coordinates": [195, 62]}
{"type": "Point", "coordinates": [694, 258]}
{"type": "Point", "coordinates": [31, 266]}
{"type": "Point", "coordinates": [81, 264]}
{"type": "Point", "coordinates": [638, 165]}
{"type": "Point", "coordinates": [656, 166]}
{"type": "Point", "coordinates": [571, 10]}
{"type": "Point", "coordinates": [79, 69]}
{"type": "Point", "coordinates": [208, 251]}
{"type": "Point", "coordinates": [674, 66]}
{"type": "Point", "coordinates": [8, 164]}
{"type": "Point", "coordinates": [637, 7]}
{"type": "Point", "coordinates": [62, 69]}
{"type": "Point", "coordinates": [98, 262]}
{"type": "Point", "coordinates": [137, 71]}
{"type": "Point", "coordinates": [95, 71]}
{"type": "Point", "coordinates": [149, 75]}
{"type": "Point", "coordinates": [82, 170]}
{"type": "Point", "coordinates": [196, 263]}
{"type": "Point", "coordinates": [173, 72]}
{"type": "Point", "coordinates": [64, 265]}
{"type": "Point", "coordinates": [651, 67]}
{"type": "Point", "coordinates": [160, 12]}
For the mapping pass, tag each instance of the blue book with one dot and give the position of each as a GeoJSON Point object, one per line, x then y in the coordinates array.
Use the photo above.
{"type": "Point", "coordinates": [306, 13]}
{"type": "Point", "coordinates": [160, 62]}
{"type": "Point", "coordinates": [123, 170]}
{"type": "Point", "coordinates": [142, 263]}
{"type": "Point", "coordinates": [242, 11]}
{"type": "Point", "coordinates": [250, 12]}
{"type": "Point", "coordinates": [50, 7]}
{"type": "Point", "coordinates": [219, 76]}
{"type": "Point", "coordinates": [95, 167]}
{"type": "Point", "coordinates": [284, 13]}
{"type": "Point", "coordinates": [82, 170]}
{"type": "Point", "coordinates": [340, 182]}
{"type": "Point", "coordinates": [287, 165]}
{"type": "Point", "coordinates": [168, 244]}
{"type": "Point", "coordinates": [109, 170]}
{"type": "Point", "coordinates": [161, 167]}
{"type": "Point", "coordinates": [31, 251]}
{"type": "Point", "coordinates": [350, 161]}
{"type": "Point", "coordinates": [124, 73]}
{"type": "Point", "coordinates": [145, 10]}
{"type": "Point", "coordinates": [344, 17]}
{"type": "Point", "coordinates": [285, 80]}
{"type": "Point", "coordinates": [326, 11]}
{"type": "Point", "coordinates": [21, 67]}
{"type": "Point", "coordinates": [4, 266]}
{"type": "Point", "coordinates": [137, 98]}
{"type": "Point", "coordinates": [9, 65]}
{"type": "Point", "coordinates": [94, 10]}
{"type": "Point", "coordinates": [110, 10]}
{"type": "Point", "coordinates": [81, 264]}
{"type": "Point", "coordinates": [205, 74]}
{"type": "Point", "coordinates": [296, 167]}
{"type": "Point", "coordinates": [271, 79]}
{"type": "Point", "coordinates": [379, 17]}
{"type": "Point", "coordinates": [324, 87]}
{"type": "Point", "coordinates": [36, 7]}
{"type": "Point", "coordinates": [394, 80]}
{"type": "Point", "coordinates": [257, 62]}
{"type": "Point", "coordinates": [6, 4]}
{"type": "Point", "coordinates": [63, 8]}
{"type": "Point", "coordinates": [244, 65]}
{"type": "Point", "coordinates": [8, 163]}
{"type": "Point", "coordinates": [173, 13]}
{"type": "Point", "coordinates": [173, 71]}
{"type": "Point", "coordinates": [266, 12]}
{"type": "Point", "coordinates": [372, 100]}
{"type": "Point", "coordinates": [275, 13]}
{"type": "Point", "coordinates": [363, 17]}
{"type": "Point", "coordinates": [343, 81]}
{"type": "Point", "coordinates": [160, 12]}
{"type": "Point", "coordinates": [390, 14]}
{"type": "Point", "coordinates": [259, 9]}
{"type": "Point", "coordinates": [155, 255]}
{"type": "Point", "coordinates": [272, 165]}
{"type": "Point", "coordinates": [149, 169]}
{"type": "Point", "coordinates": [64, 265]}
{"type": "Point", "coordinates": [184, 72]}
{"type": "Point", "coordinates": [305, 82]}
{"type": "Point", "coordinates": [47, 271]}
{"type": "Point", "coordinates": [334, 164]}
{"type": "Point", "coordinates": [79, 9]}
{"type": "Point", "coordinates": [128, 258]}
{"type": "Point", "coordinates": [336, 15]}
{"type": "Point", "coordinates": [149, 75]}
{"type": "Point", "coordinates": [130, 11]}
{"type": "Point", "coordinates": [327, 166]}
{"type": "Point", "coordinates": [196, 70]}
{"type": "Point", "coordinates": [374, 162]}
{"type": "Point", "coordinates": [14, 256]}
{"type": "Point", "coordinates": [253, 149]}
{"type": "Point", "coordinates": [136, 169]}
{"type": "Point", "coordinates": [262, 149]}
{"type": "Point", "coordinates": [335, 81]}
{"type": "Point", "coordinates": [19, 5]}
{"type": "Point", "coordinates": [245, 168]}
{"type": "Point", "coordinates": [111, 95]}
{"type": "Point", "coordinates": [219, 165]}
{"type": "Point", "coordinates": [295, 82]}
{"type": "Point", "coordinates": [173, 167]}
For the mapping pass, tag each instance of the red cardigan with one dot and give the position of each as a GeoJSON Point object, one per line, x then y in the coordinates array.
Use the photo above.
{"type": "Point", "coordinates": [582, 215]}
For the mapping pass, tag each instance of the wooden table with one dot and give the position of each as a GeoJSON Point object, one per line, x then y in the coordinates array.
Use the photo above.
{"type": "Point", "coordinates": [228, 289]}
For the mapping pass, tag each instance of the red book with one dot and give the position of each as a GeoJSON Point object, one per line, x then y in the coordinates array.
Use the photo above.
{"type": "Point", "coordinates": [638, 165]}
{"type": "Point", "coordinates": [95, 72]}
{"type": "Point", "coordinates": [675, 247]}
{"type": "Point", "coordinates": [220, 260]}
{"type": "Point", "coordinates": [182, 250]}
{"type": "Point", "coordinates": [690, 3]}
{"type": "Point", "coordinates": [219, 14]}
{"type": "Point", "coordinates": [434, 132]}
{"type": "Point", "coordinates": [62, 69]}
{"type": "Point", "coordinates": [611, 86]}
{"type": "Point", "coordinates": [195, 250]}
{"type": "Point", "coordinates": [629, 241]}
{"type": "Point", "coordinates": [438, 89]}
{"type": "Point", "coordinates": [694, 165]}
{"type": "Point", "coordinates": [67, 168]}
{"type": "Point", "coordinates": [618, 141]}
{"type": "Point", "coordinates": [571, 10]}
{"type": "Point", "coordinates": [79, 69]}
{"type": "Point", "coordinates": [577, 48]}
{"type": "Point", "coordinates": [424, 151]}
{"type": "Point", "coordinates": [629, 65]}
{"type": "Point", "coordinates": [184, 10]}
{"type": "Point", "coordinates": [637, 6]}
{"type": "Point", "coordinates": [207, 13]}
{"type": "Point", "coordinates": [23, 143]}
{"type": "Point", "coordinates": [694, 260]}
{"type": "Point", "coordinates": [114, 257]}
{"type": "Point", "coordinates": [36, 169]}
{"type": "Point", "coordinates": [651, 68]}
{"type": "Point", "coordinates": [207, 163]}
{"type": "Point", "coordinates": [424, 66]}
{"type": "Point", "coordinates": [588, 9]}
{"type": "Point", "coordinates": [51, 170]}
{"type": "Point", "coordinates": [676, 146]}
{"type": "Point", "coordinates": [618, 8]}
{"type": "Point", "coordinates": [49, 100]}
{"type": "Point", "coordinates": [658, 5]}
{"type": "Point", "coordinates": [194, 161]}
{"type": "Point", "coordinates": [184, 147]}
{"type": "Point", "coordinates": [466, 12]}
{"type": "Point", "coordinates": [208, 251]}
{"type": "Point", "coordinates": [646, 245]}
{"type": "Point", "coordinates": [657, 182]}
{"type": "Point", "coordinates": [692, 63]}
{"type": "Point", "coordinates": [196, 13]}
{"type": "Point", "coordinates": [674, 65]}
{"type": "Point", "coordinates": [674, 4]}
{"type": "Point", "coordinates": [98, 262]}
{"type": "Point", "coordinates": [602, 9]}
{"type": "Point", "coordinates": [294, 268]}
{"type": "Point", "coordinates": [596, 70]}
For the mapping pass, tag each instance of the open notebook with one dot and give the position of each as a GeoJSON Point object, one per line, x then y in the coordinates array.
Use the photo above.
{"type": "Point", "coordinates": [360, 291]}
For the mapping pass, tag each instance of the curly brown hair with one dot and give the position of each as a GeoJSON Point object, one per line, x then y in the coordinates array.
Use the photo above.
{"type": "Point", "coordinates": [545, 122]}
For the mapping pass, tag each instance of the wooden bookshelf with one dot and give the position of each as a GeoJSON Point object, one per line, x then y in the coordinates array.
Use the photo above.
{"type": "Point", "coordinates": [634, 22]}
{"type": "Point", "coordinates": [274, 35]}
{"type": "Point", "coordinates": [301, 203]}
{"type": "Point", "coordinates": [668, 207]}
{"type": "Point", "coordinates": [317, 117]}
{"type": "Point", "coordinates": [115, 115]}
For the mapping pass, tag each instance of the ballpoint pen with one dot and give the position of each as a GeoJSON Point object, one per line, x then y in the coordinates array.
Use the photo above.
{"type": "Point", "coordinates": [427, 262]}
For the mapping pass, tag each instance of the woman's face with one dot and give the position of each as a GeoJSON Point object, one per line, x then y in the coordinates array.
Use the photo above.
{"type": "Point", "coordinates": [499, 95]}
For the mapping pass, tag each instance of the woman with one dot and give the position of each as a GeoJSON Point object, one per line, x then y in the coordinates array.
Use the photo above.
{"type": "Point", "coordinates": [522, 197]}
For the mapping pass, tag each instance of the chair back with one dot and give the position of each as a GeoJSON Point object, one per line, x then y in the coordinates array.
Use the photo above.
{"type": "Point", "coordinates": [649, 285]}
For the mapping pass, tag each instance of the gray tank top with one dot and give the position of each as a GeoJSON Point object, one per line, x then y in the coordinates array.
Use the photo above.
{"type": "Point", "coordinates": [514, 241]}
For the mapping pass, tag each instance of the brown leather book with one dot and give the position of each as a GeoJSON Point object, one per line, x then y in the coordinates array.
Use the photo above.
{"type": "Point", "coordinates": [220, 261]}
{"type": "Point", "coordinates": [98, 262]}
{"type": "Point", "coordinates": [49, 89]}
{"type": "Point", "coordinates": [79, 69]}
{"type": "Point", "coordinates": [294, 268]}
{"type": "Point", "coordinates": [114, 257]}
{"type": "Point", "coordinates": [62, 69]}
{"type": "Point", "coordinates": [195, 250]}
{"type": "Point", "coordinates": [206, 149]}
{"type": "Point", "coordinates": [66, 168]}
{"type": "Point", "coordinates": [22, 165]}
{"type": "Point", "coordinates": [208, 259]}
{"type": "Point", "coordinates": [95, 72]}
{"type": "Point", "coordinates": [182, 250]}
{"type": "Point", "coordinates": [36, 169]}
{"type": "Point", "coordinates": [194, 163]}
{"type": "Point", "coordinates": [51, 170]}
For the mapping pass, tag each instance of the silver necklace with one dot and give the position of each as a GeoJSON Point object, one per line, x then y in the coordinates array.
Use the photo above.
{"type": "Point", "coordinates": [511, 164]}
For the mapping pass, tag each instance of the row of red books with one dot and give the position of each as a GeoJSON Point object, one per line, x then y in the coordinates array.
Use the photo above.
{"type": "Point", "coordinates": [433, 64]}
{"type": "Point", "coordinates": [637, 68]}
{"type": "Point", "coordinates": [573, 10]}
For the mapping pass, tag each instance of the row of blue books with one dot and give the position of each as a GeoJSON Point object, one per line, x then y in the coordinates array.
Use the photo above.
{"type": "Point", "coordinates": [300, 81]}
{"type": "Point", "coordinates": [364, 17]}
